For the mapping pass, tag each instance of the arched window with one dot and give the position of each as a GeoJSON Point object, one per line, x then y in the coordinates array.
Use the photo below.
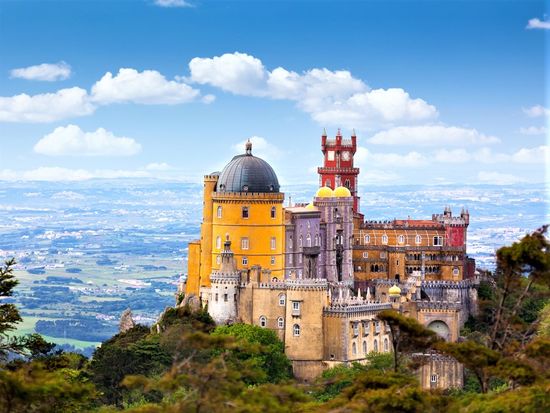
{"type": "Point", "coordinates": [418, 239]}
{"type": "Point", "coordinates": [218, 242]}
{"type": "Point", "coordinates": [281, 322]}
{"type": "Point", "coordinates": [384, 239]}
{"type": "Point", "coordinates": [300, 241]}
{"type": "Point", "coordinates": [386, 345]}
{"type": "Point", "coordinates": [308, 240]}
{"type": "Point", "coordinates": [364, 346]}
{"type": "Point", "coordinates": [354, 349]}
{"type": "Point", "coordinates": [218, 259]}
{"type": "Point", "coordinates": [245, 212]}
{"type": "Point", "coordinates": [327, 182]}
{"type": "Point", "coordinates": [273, 212]}
{"type": "Point", "coordinates": [219, 213]}
{"type": "Point", "coordinates": [401, 239]}
{"type": "Point", "coordinates": [316, 240]}
{"type": "Point", "coordinates": [375, 346]}
{"type": "Point", "coordinates": [263, 321]}
{"type": "Point", "coordinates": [367, 239]}
{"type": "Point", "coordinates": [282, 299]}
{"type": "Point", "coordinates": [290, 242]}
{"type": "Point", "coordinates": [296, 330]}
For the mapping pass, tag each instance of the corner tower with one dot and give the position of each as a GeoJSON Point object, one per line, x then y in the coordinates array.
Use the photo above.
{"type": "Point", "coordinates": [338, 169]}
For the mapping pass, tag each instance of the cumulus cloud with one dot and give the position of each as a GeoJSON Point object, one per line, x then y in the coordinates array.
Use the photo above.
{"type": "Point", "coordinates": [46, 71]}
{"type": "Point", "coordinates": [540, 154]}
{"type": "Point", "coordinates": [431, 135]}
{"type": "Point", "coordinates": [533, 130]}
{"type": "Point", "coordinates": [536, 111]}
{"type": "Point", "coordinates": [330, 97]}
{"type": "Point", "coordinates": [498, 178]}
{"type": "Point", "coordinates": [537, 23]}
{"type": "Point", "coordinates": [46, 107]}
{"type": "Point", "coordinates": [71, 140]}
{"type": "Point", "coordinates": [147, 87]}
{"type": "Point", "coordinates": [366, 158]}
{"type": "Point", "coordinates": [260, 147]}
{"type": "Point", "coordinates": [452, 156]}
{"type": "Point", "coordinates": [172, 3]}
{"type": "Point", "coordinates": [158, 166]}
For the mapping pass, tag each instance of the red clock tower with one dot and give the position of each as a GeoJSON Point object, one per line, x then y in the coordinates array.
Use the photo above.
{"type": "Point", "coordinates": [338, 169]}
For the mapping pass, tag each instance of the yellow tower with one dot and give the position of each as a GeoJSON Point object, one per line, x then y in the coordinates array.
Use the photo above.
{"type": "Point", "coordinates": [242, 203]}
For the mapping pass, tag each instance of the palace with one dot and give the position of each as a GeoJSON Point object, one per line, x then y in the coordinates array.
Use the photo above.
{"type": "Point", "coordinates": [317, 274]}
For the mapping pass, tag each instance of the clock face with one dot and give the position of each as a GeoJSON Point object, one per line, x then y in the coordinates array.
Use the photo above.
{"type": "Point", "coordinates": [346, 156]}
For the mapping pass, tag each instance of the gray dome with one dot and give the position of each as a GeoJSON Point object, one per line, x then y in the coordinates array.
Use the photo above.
{"type": "Point", "coordinates": [247, 173]}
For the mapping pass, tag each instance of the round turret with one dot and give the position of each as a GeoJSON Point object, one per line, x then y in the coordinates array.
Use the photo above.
{"type": "Point", "coordinates": [342, 192]}
{"type": "Point", "coordinates": [324, 192]}
{"type": "Point", "coordinates": [248, 173]}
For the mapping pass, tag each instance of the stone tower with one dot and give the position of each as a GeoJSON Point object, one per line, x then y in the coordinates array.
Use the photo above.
{"type": "Point", "coordinates": [224, 288]}
{"type": "Point", "coordinates": [338, 169]}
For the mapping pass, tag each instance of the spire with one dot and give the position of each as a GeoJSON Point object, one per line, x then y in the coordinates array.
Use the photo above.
{"type": "Point", "coordinates": [353, 132]}
{"type": "Point", "coordinates": [368, 294]}
{"type": "Point", "coordinates": [324, 132]}
{"type": "Point", "coordinates": [248, 147]}
{"type": "Point", "coordinates": [339, 133]}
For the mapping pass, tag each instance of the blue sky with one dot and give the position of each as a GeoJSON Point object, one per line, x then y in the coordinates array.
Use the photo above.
{"type": "Point", "coordinates": [438, 92]}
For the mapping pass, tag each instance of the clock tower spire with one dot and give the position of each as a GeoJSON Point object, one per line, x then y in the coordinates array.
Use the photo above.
{"type": "Point", "coordinates": [338, 169]}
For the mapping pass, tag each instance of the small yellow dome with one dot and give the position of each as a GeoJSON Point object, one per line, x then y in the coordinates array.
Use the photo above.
{"type": "Point", "coordinates": [394, 290]}
{"type": "Point", "coordinates": [310, 206]}
{"type": "Point", "coordinates": [342, 192]}
{"type": "Point", "coordinates": [324, 192]}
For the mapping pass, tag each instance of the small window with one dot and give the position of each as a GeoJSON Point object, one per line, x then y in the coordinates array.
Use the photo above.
{"type": "Point", "coordinates": [272, 260]}
{"type": "Point", "coordinates": [365, 255]}
{"type": "Point", "coordinates": [282, 299]}
{"type": "Point", "coordinates": [290, 242]}
{"type": "Point", "coordinates": [308, 240]}
{"type": "Point", "coordinates": [273, 243]}
{"type": "Point", "coordinates": [367, 239]}
{"type": "Point", "coordinates": [355, 329]}
{"type": "Point", "coordinates": [347, 184]}
{"type": "Point", "coordinates": [263, 321]}
{"type": "Point", "coordinates": [384, 239]}
{"type": "Point", "coordinates": [225, 298]}
{"type": "Point", "coordinates": [245, 261]}
{"type": "Point", "coordinates": [327, 182]}
{"type": "Point", "coordinates": [386, 345]}
{"type": "Point", "coordinates": [218, 242]}
{"type": "Point", "coordinates": [375, 346]}
{"type": "Point", "coordinates": [401, 239]}
{"type": "Point", "coordinates": [438, 241]}
{"type": "Point", "coordinates": [218, 259]}
{"type": "Point", "coordinates": [364, 346]}
{"type": "Point", "coordinates": [383, 255]}
{"type": "Point", "coordinates": [219, 213]}
{"type": "Point", "coordinates": [300, 241]}
{"type": "Point", "coordinates": [456, 271]}
{"type": "Point", "coordinates": [273, 212]}
{"type": "Point", "coordinates": [296, 305]}
{"type": "Point", "coordinates": [216, 297]}
{"type": "Point", "coordinates": [316, 240]}
{"type": "Point", "coordinates": [433, 379]}
{"type": "Point", "coordinates": [244, 243]}
{"type": "Point", "coordinates": [245, 213]}
{"type": "Point", "coordinates": [290, 259]}
{"type": "Point", "coordinates": [281, 322]}
{"type": "Point", "coordinates": [354, 349]}
{"type": "Point", "coordinates": [418, 239]}
{"type": "Point", "coordinates": [296, 330]}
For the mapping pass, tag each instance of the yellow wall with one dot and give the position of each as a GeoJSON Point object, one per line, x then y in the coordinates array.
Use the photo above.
{"type": "Point", "coordinates": [193, 267]}
{"type": "Point", "coordinates": [259, 228]}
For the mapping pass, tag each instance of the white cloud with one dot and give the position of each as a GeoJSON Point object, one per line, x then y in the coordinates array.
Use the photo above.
{"type": "Point", "coordinates": [533, 130]}
{"type": "Point", "coordinates": [431, 135]}
{"type": "Point", "coordinates": [330, 97]}
{"type": "Point", "coordinates": [46, 107]}
{"type": "Point", "coordinates": [540, 154]}
{"type": "Point", "coordinates": [172, 3]}
{"type": "Point", "coordinates": [260, 147]}
{"type": "Point", "coordinates": [536, 23]}
{"type": "Point", "coordinates": [366, 158]}
{"type": "Point", "coordinates": [452, 156]}
{"type": "Point", "coordinates": [536, 111]}
{"type": "Point", "coordinates": [161, 166]}
{"type": "Point", "coordinates": [498, 178]}
{"type": "Point", "coordinates": [71, 140]}
{"type": "Point", "coordinates": [147, 87]}
{"type": "Point", "coordinates": [46, 71]}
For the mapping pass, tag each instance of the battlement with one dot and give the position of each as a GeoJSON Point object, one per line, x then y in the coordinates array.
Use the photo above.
{"type": "Point", "coordinates": [443, 284]}
{"type": "Point", "coordinates": [438, 305]}
{"type": "Point", "coordinates": [307, 284]}
{"type": "Point", "coordinates": [342, 310]}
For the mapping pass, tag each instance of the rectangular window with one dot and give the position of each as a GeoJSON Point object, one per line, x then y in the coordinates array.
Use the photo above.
{"type": "Point", "coordinates": [272, 260]}
{"type": "Point", "coordinates": [383, 254]}
{"type": "Point", "coordinates": [273, 243]}
{"type": "Point", "coordinates": [216, 297]}
{"type": "Point", "coordinates": [365, 255]}
{"type": "Point", "coordinates": [438, 241]}
{"type": "Point", "coordinates": [355, 329]}
{"type": "Point", "coordinates": [290, 259]}
{"type": "Point", "coordinates": [244, 243]}
{"type": "Point", "coordinates": [245, 261]}
{"type": "Point", "coordinates": [273, 212]}
{"type": "Point", "coordinates": [245, 212]}
{"type": "Point", "coordinates": [225, 297]}
{"type": "Point", "coordinates": [295, 308]}
{"type": "Point", "coordinates": [377, 326]}
{"type": "Point", "coordinates": [434, 378]}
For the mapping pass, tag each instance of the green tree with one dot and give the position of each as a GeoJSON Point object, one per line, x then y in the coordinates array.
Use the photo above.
{"type": "Point", "coordinates": [407, 335]}
{"type": "Point", "coordinates": [9, 314]}
{"type": "Point", "coordinates": [270, 357]}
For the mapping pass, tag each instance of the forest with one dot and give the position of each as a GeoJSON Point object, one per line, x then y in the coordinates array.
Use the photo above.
{"type": "Point", "coordinates": [184, 363]}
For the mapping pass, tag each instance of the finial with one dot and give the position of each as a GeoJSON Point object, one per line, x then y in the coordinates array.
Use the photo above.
{"type": "Point", "coordinates": [324, 132]}
{"type": "Point", "coordinates": [353, 132]}
{"type": "Point", "coordinates": [339, 132]}
{"type": "Point", "coordinates": [248, 147]}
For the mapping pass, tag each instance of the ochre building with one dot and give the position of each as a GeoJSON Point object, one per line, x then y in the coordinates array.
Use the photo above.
{"type": "Point", "coordinates": [318, 274]}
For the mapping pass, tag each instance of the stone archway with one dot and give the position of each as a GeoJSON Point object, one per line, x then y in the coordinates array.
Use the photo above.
{"type": "Point", "coordinates": [441, 328]}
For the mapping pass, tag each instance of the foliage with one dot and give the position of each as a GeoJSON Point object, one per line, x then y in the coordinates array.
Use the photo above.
{"type": "Point", "coordinates": [9, 314]}
{"type": "Point", "coordinates": [407, 335]}
{"type": "Point", "coordinates": [270, 357]}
